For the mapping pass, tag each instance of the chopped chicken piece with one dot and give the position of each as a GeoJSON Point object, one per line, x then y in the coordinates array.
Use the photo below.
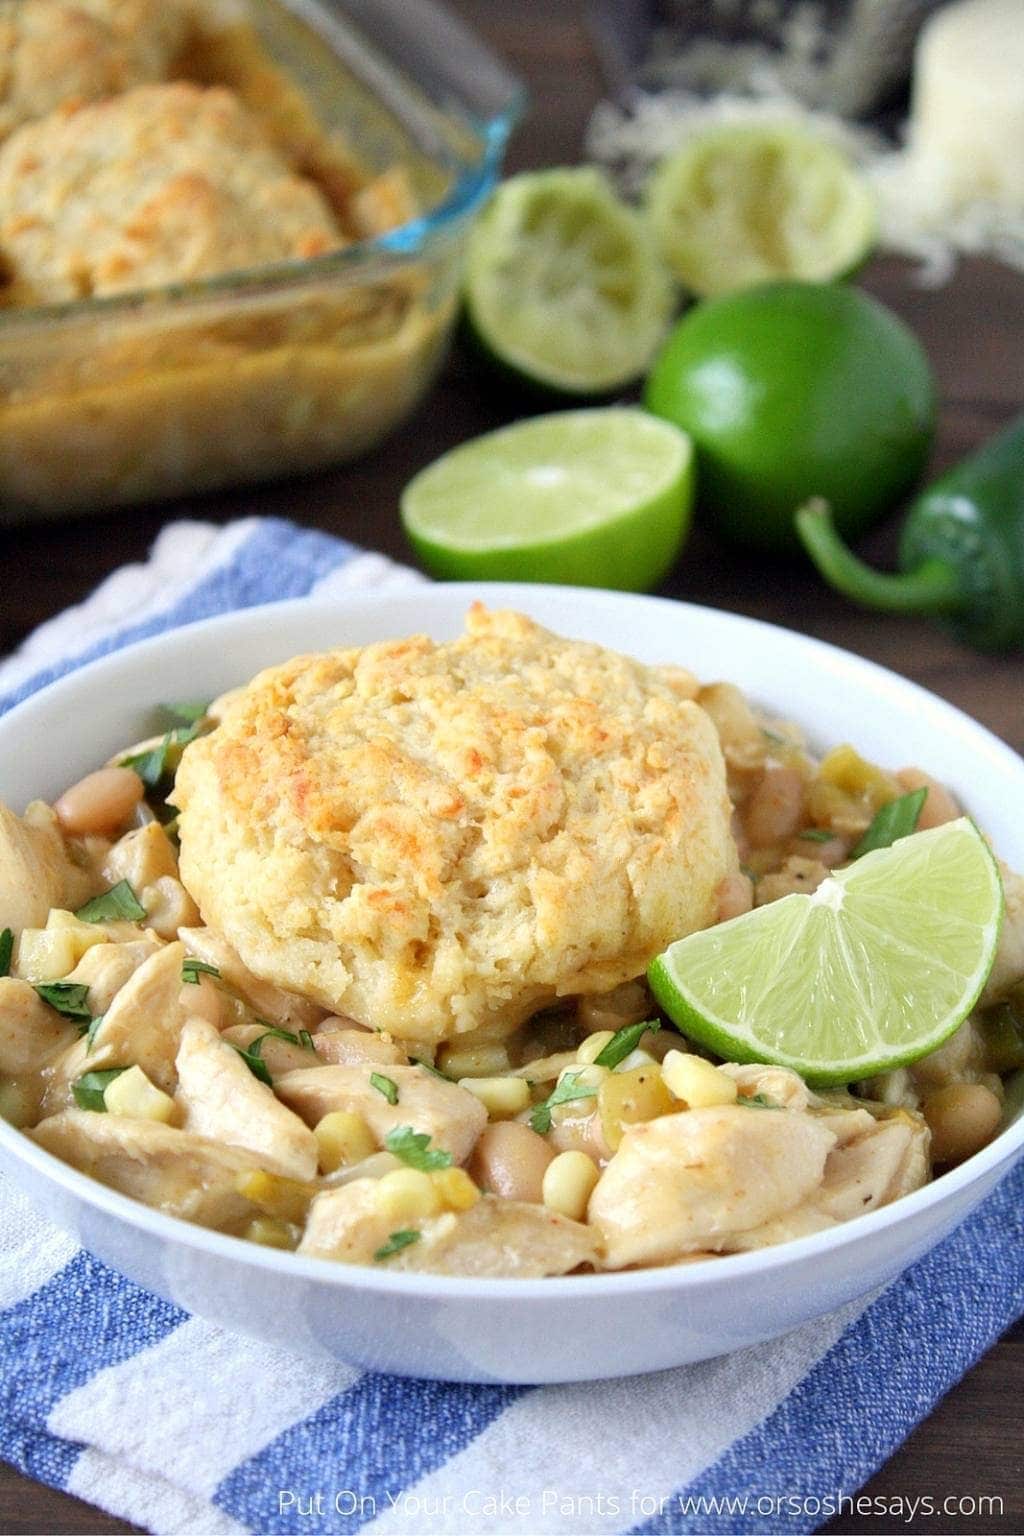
{"type": "Point", "coordinates": [776, 1084]}
{"type": "Point", "coordinates": [353, 1047]}
{"type": "Point", "coordinates": [30, 1031]}
{"type": "Point", "coordinates": [451, 1116]}
{"type": "Point", "coordinates": [270, 1002]}
{"type": "Point", "coordinates": [60, 1075]}
{"type": "Point", "coordinates": [225, 1102]}
{"type": "Point", "coordinates": [142, 1026]}
{"type": "Point", "coordinates": [887, 1159]}
{"type": "Point", "coordinates": [689, 1181]}
{"type": "Point", "coordinates": [105, 968]}
{"type": "Point", "coordinates": [175, 1171]}
{"type": "Point", "coordinates": [875, 1160]}
{"type": "Point", "coordinates": [140, 857]}
{"type": "Point", "coordinates": [1008, 967]}
{"type": "Point", "coordinates": [494, 1238]}
{"type": "Point", "coordinates": [35, 871]}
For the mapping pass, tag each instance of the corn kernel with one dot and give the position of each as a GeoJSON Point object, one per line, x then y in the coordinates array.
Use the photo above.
{"type": "Point", "coordinates": [474, 1061]}
{"type": "Point", "coordinates": [133, 1094]}
{"type": "Point", "coordinates": [591, 1048]}
{"type": "Point", "coordinates": [696, 1082]}
{"type": "Point", "coordinates": [502, 1097]}
{"type": "Point", "coordinates": [635, 1059]}
{"type": "Point", "coordinates": [270, 1232]}
{"type": "Point", "coordinates": [569, 1180]}
{"type": "Point", "coordinates": [45, 954]}
{"type": "Point", "coordinates": [343, 1139]}
{"type": "Point", "coordinates": [455, 1188]}
{"type": "Point", "coordinates": [406, 1195]}
{"type": "Point", "coordinates": [83, 935]}
{"type": "Point", "coordinates": [275, 1195]}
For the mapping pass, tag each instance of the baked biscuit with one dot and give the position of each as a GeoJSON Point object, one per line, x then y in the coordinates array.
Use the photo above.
{"type": "Point", "coordinates": [167, 183]}
{"type": "Point", "coordinates": [57, 51]}
{"type": "Point", "coordinates": [437, 839]}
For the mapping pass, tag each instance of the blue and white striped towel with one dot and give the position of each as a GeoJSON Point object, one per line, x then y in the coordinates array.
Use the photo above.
{"type": "Point", "coordinates": [124, 1400]}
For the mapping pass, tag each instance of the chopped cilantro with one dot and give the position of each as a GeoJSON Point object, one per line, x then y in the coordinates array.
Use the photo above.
{"type": "Point", "coordinates": [68, 997]}
{"type": "Point", "coordinates": [816, 835]}
{"type": "Point", "coordinates": [897, 819]}
{"type": "Point", "coordinates": [6, 951]}
{"type": "Point", "coordinates": [273, 1032]}
{"type": "Point", "coordinates": [756, 1101]}
{"type": "Point", "coordinates": [774, 737]}
{"type": "Point", "coordinates": [155, 763]}
{"type": "Point", "coordinates": [192, 969]}
{"type": "Point", "coordinates": [385, 1085]}
{"type": "Point", "coordinates": [189, 710]}
{"type": "Point", "coordinates": [623, 1041]}
{"type": "Point", "coordinates": [413, 1147]}
{"type": "Point", "coordinates": [396, 1242]}
{"type": "Point", "coordinates": [254, 1061]}
{"type": "Point", "coordinates": [91, 1032]}
{"type": "Point", "coordinates": [565, 1092]}
{"type": "Point", "coordinates": [89, 1089]}
{"type": "Point", "coordinates": [418, 1061]}
{"type": "Point", "coordinates": [119, 904]}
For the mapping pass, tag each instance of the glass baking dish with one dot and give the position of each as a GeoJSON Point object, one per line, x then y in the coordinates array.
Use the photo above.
{"type": "Point", "coordinates": [281, 369]}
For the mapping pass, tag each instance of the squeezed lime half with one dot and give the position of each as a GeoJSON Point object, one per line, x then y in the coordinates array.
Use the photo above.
{"type": "Point", "coordinates": [563, 286]}
{"type": "Point", "coordinates": [747, 203]}
{"type": "Point", "coordinates": [873, 970]}
{"type": "Point", "coordinates": [598, 498]}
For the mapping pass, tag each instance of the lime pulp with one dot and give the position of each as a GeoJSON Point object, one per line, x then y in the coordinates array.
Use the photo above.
{"type": "Point", "coordinates": [873, 970]}
{"type": "Point", "coordinates": [741, 204]}
{"type": "Point", "coordinates": [590, 498]}
{"type": "Point", "coordinates": [563, 287]}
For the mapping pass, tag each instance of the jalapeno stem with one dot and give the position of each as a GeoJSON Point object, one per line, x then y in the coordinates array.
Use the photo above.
{"type": "Point", "coordinates": [933, 587]}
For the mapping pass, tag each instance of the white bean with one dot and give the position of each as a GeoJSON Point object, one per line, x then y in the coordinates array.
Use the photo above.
{"type": "Point", "coordinates": [101, 802]}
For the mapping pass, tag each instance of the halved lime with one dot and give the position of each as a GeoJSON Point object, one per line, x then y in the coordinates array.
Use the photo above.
{"type": "Point", "coordinates": [872, 971]}
{"type": "Point", "coordinates": [563, 285]}
{"type": "Point", "coordinates": [596, 498]}
{"type": "Point", "coordinates": [744, 203]}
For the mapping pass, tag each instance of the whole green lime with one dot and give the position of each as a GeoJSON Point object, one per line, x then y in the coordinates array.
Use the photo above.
{"type": "Point", "coordinates": [791, 390]}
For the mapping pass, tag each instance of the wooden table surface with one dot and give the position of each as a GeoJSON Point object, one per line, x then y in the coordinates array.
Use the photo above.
{"type": "Point", "coordinates": [974, 332]}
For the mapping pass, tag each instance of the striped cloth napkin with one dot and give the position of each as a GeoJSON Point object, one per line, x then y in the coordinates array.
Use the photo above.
{"type": "Point", "coordinates": [117, 1396]}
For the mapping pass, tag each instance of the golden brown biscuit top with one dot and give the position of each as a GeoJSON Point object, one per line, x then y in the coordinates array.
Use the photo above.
{"type": "Point", "coordinates": [438, 838]}
{"type": "Point", "coordinates": [166, 183]}
{"type": "Point", "coordinates": [57, 51]}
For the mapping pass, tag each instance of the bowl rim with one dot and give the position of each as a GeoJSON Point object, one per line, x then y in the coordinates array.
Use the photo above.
{"type": "Point", "coordinates": [992, 1160]}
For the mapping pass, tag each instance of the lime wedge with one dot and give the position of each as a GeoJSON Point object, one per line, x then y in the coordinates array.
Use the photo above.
{"type": "Point", "coordinates": [873, 970]}
{"type": "Point", "coordinates": [596, 498]}
{"type": "Point", "coordinates": [562, 284]}
{"type": "Point", "coordinates": [746, 203]}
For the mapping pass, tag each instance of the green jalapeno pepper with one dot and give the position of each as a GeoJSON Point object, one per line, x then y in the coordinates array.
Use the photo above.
{"type": "Point", "coordinates": [961, 554]}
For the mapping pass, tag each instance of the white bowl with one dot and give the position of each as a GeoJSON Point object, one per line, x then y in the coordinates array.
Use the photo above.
{"type": "Point", "coordinates": [577, 1328]}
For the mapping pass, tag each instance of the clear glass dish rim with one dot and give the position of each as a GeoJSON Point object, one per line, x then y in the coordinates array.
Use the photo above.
{"type": "Point", "coordinates": [475, 182]}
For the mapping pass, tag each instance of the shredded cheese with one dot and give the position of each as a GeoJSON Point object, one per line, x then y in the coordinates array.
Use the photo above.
{"type": "Point", "coordinates": [954, 188]}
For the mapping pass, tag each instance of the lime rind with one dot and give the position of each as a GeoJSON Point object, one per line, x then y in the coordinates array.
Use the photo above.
{"type": "Point", "coordinates": [741, 204]}
{"type": "Point", "coordinates": [826, 984]}
{"type": "Point", "coordinates": [563, 286]}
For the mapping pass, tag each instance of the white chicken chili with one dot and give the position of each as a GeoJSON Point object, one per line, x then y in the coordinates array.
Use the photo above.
{"type": "Point", "coordinates": [571, 1127]}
